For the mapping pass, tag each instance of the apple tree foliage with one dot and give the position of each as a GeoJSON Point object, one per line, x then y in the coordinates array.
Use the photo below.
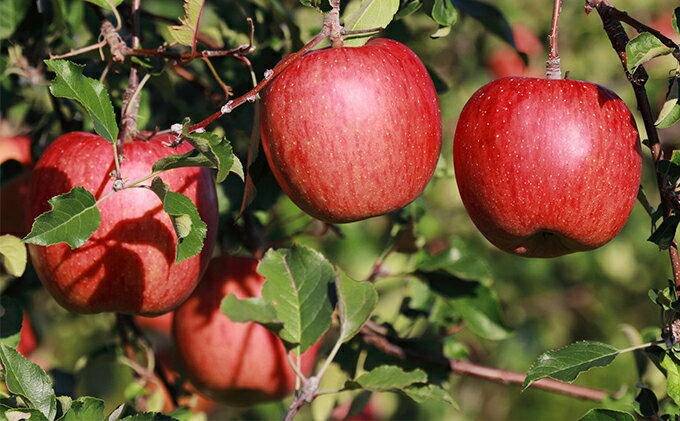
{"type": "Point", "coordinates": [384, 330]}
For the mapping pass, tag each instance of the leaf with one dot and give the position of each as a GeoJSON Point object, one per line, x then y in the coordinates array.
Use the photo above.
{"type": "Point", "coordinates": [210, 151]}
{"type": "Point", "coordinates": [665, 233]}
{"type": "Point", "coordinates": [567, 363]}
{"type": "Point", "coordinates": [13, 254]}
{"type": "Point", "coordinates": [12, 414]}
{"type": "Point", "coordinates": [85, 409]}
{"type": "Point", "coordinates": [186, 33]}
{"type": "Point", "coordinates": [646, 403]}
{"type": "Point", "coordinates": [298, 284]}
{"type": "Point", "coordinates": [73, 219]}
{"type": "Point", "coordinates": [10, 321]}
{"type": "Point", "coordinates": [444, 13]}
{"type": "Point", "coordinates": [387, 377]}
{"type": "Point", "coordinates": [477, 304]}
{"type": "Point", "coordinates": [12, 13]}
{"type": "Point", "coordinates": [459, 260]}
{"type": "Point", "coordinates": [356, 302]}
{"type": "Point", "coordinates": [106, 4]}
{"type": "Point", "coordinates": [489, 16]}
{"type": "Point", "coordinates": [606, 415]}
{"type": "Point", "coordinates": [254, 309]}
{"type": "Point", "coordinates": [670, 112]}
{"type": "Point", "coordinates": [423, 393]}
{"type": "Point", "coordinates": [441, 32]}
{"type": "Point", "coordinates": [643, 48]}
{"type": "Point", "coordinates": [408, 9]}
{"type": "Point", "coordinates": [189, 227]}
{"type": "Point", "coordinates": [672, 367]}
{"type": "Point", "coordinates": [28, 380]}
{"type": "Point", "coordinates": [676, 17]}
{"type": "Point", "coordinates": [90, 93]}
{"type": "Point", "coordinates": [371, 14]}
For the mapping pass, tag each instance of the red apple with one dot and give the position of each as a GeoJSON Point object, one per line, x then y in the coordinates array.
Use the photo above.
{"type": "Point", "coordinates": [17, 148]}
{"type": "Point", "coordinates": [28, 342]}
{"type": "Point", "coordinates": [13, 193]}
{"type": "Point", "coordinates": [547, 167]}
{"type": "Point", "coordinates": [352, 133]}
{"type": "Point", "coordinates": [161, 324]}
{"type": "Point", "coordinates": [240, 364]}
{"type": "Point", "coordinates": [128, 265]}
{"type": "Point", "coordinates": [504, 60]}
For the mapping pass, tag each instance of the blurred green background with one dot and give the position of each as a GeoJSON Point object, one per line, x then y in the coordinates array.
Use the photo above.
{"type": "Point", "coordinates": [600, 295]}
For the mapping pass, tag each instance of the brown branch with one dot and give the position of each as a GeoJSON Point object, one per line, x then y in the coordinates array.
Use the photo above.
{"type": "Point", "coordinates": [611, 21]}
{"type": "Point", "coordinates": [378, 337]}
{"type": "Point", "coordinates": [552, 67]}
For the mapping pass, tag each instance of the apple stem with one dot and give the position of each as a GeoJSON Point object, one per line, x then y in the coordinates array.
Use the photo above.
{"type": "Point", "coordinates": [332, 20]}
{"type": "Point", "coordinates": [552, 66]}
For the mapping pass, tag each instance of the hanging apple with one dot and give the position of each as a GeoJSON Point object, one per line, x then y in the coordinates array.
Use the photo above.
{"type": "Point", "coordinates": [128, 265]}
{"type": "Point", "coordinates": [352, 133]}
{"type": "Point", "coordinates": [547, 167]}
{"type": "Point", "coordinates": [240, 364]}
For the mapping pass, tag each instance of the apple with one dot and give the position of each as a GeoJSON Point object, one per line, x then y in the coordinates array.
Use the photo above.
{"type": "Point", "coordinates": [504, 60]}
{"type": "Point", "coordinates": [240, 364]}
{"type": "Point", "coordinates": [128, 265]}
{"type": "Point", "coordinates": [13, 193]}
{"type": "Point", "coordinates": [161, 324]}
{"type": "Point", "coordinates": [27, 342]}
{"type": "Point", "coordinates": [352, 133]}
{"type": "Point", "coordinates": [547, 167]}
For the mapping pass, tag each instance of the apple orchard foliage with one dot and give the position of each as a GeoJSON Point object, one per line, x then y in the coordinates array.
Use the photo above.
{"type": "Point", "coordinates": [390, 304]}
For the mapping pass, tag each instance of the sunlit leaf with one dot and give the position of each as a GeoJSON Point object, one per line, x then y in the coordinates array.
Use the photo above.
{"type": "Point", "coordinates": [606, 415]}
{"type": "Point", "coordinates": [85, 409]}
{"type": "Point", "coordinates": [567, 363]}
{"type": "Point", "coordinates": [356, 301]}
{"type": "Point", "coordinates": [370, 15]}
{"type": "Point", "coordinates": [13, 254]}
{"type": "Point", "coordinates": [186, 33]}
{"type": "Point", "coordinates": [387, 377]}
{"type": "Point", "coordinates": [643, 48]}
{"type": "Point", "coordinates": [670, 112]}
{"type": "Point", "coordinates": [90, 93]}
{"type": "Point", "coordinates": [73, 219]}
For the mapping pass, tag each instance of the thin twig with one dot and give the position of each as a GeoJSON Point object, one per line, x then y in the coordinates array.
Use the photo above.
{"type": "Point", "coordinates": [378, 337]}
{"type": "Point", "coordinates": [553, 69]}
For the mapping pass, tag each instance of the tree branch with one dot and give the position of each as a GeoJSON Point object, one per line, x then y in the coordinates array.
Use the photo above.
{"type": "Point", "coordinates": [377, 336]}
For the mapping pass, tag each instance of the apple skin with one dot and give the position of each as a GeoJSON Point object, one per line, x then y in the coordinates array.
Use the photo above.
{"type": "Point", "coordinates": [27, 342]}
{"type": "Point", "coordinates": [239, 364]}
{"type": "Point", "coordinates": [352, 133]}
{"type": "Point", "coordinates": [128, 265]}
{"type": "Point", "coordinates": [547, 167]}
{"type": "Point", "coordinates": [161, 324]}
{"type": "Point", "coordinates": [17, 148]}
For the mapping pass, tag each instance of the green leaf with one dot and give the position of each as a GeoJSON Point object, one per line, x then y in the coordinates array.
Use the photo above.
{"type": "Point", "coordinates": [13, 254]}
{"type": "Point", "coordinates": [73, 219]}
{"type": "Point", "coordinates": [670, 112]}
{"type": "Point", "coordinates": [106, 4]}
{"type": "Point", "coordinates": [11, 317]}
{"type": "Point", "coordinates": [189, 227]}
{"type": "Point", "coordinates": [254, 309]}
{"type": "Point", "coordinates": [444, 13]}
{"type": "Point", "coordinates": [422, 393]}
{"type": "Point", "coordinates": [298, 284]}
{"type": "Point", "coordinates": [408, 9]}
{"type": "Point", "coordinates": [665, 233]}
{"type": "Point", "coordinates": [672, 366]}
{"type": "Point", "coordinates": [459, 260]}
{"type": "Point", "coordinates": [90, 93]}
{"type": "Point", "coordinates": [489, 16]}
{"type": "Point", "coordinates": [186, 33]}
{"type": "Point", "coordinates": [646, 403]}
{"type": "Point", "coordinates": [606, 415]}
{"type": "Point", "coordinates": [676, 17]}
{"type": "Point", "coordinates": [356, 302]}
{"type": "Point", "coordinates": [28, 380]}
{"type": "Point", "coordinates": [567, 363]}
{"type": "Point", "coordinates": [387, 377]}
{"type": "Point", "coordinates": [29, 414]}
{"type": "Point", "coordinates": [85, 409]}
{"type": "Point", "coordinates": [371, 14]}
{"type": "Point", "coordinates": [476, 303]}
{"type": "Point", "coordinates": [12, 13]}
{"type": "Point", "coordinates": [643, 48]}
{"type": "Point", "coordinates": [210, 151]}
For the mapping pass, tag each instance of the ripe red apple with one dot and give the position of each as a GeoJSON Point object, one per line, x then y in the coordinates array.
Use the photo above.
{"type": "Point", "coordinates": [128, 265]}
{"type": "Point", "coordinates": [351, 133]}
{"type": "Point", "coordinates": [240, 364]}
{"type": "Point", "coordinates": [547, 167]}
{"type": "Point", "coordinates": [28, 342]}
{"type": "Point", "coordinates": [17, 148]}
{"type": "Point", "coordinates": [13, 193]}
{"type": "Point", "coordinates": [161, 324]}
